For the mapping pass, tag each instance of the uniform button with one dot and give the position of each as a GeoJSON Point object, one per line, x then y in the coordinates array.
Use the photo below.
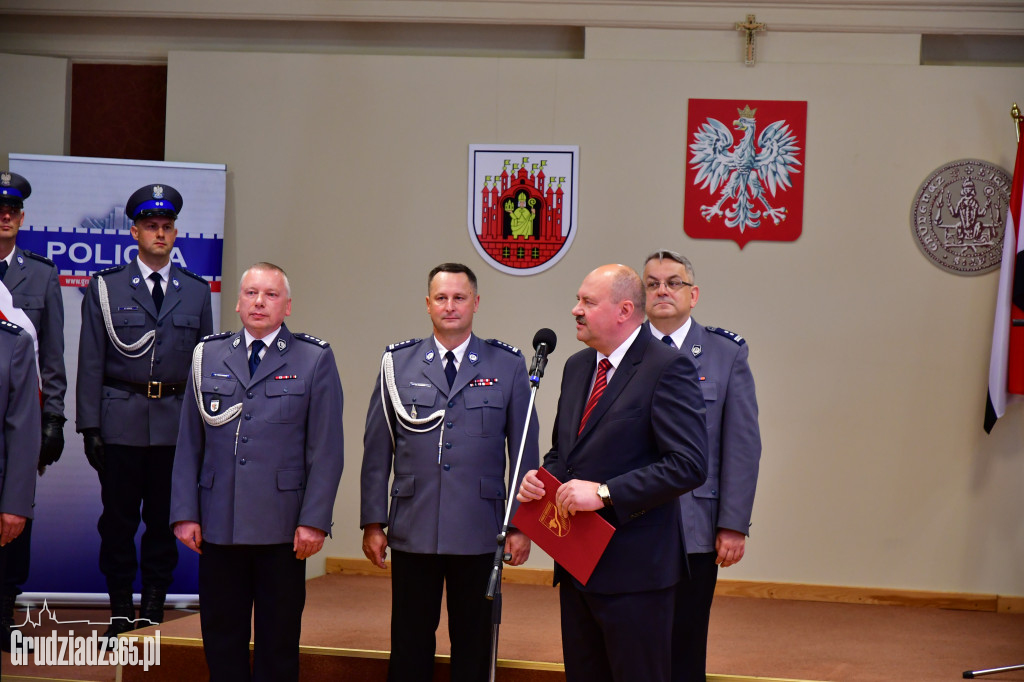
{"type": "Point", "coordinates": [157, 360]}
{"type": "Point", "coordinates": [245, 439]}
{"type": "Point", "coordinates": [447, 467]}
{"type": "Point", "coordinates": [216, 388]}
{"type": "Point", "coordinates": [451, 403]}
{"type": "Point", "coordinates": [714, 492]}
{"type": "Point", "coordinates": [242, 461]}
{"type": "Point", "coordinates": [449, 425]}
{"type": "Point", "coordinates": [447, 446]}
{"type": "Point", "coordinates": [569, 471]}
{"type": "Point", "coordinates": [159, 341]}
{"type": "Point", "coordinates": [486, 401]}
{"type": "Point", "coordinates": [249, 394]}
{"type": "Point", "coordinates": [285, 390]}
{"type": "Point", "coordinates": [248, 416]}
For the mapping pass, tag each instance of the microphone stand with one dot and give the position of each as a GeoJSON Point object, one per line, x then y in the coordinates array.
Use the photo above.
{"type": "Point", "coordinates": [540, 361]}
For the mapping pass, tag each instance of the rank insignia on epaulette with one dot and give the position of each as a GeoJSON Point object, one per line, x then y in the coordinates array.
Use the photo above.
{"type": "Point", "coordinates": [221, 335]}
{"type": "Point", "coordinates": [696, 349]}
{"type": "Point", "coordinates": [401, 344]}
{"type": "Point", "coordinates": [474, 358]}
{"type": "Point", "coordinates": [312, 339]}
{"type": "Point", "coordinates": [10, 327]}
{"type": "Point", "coordinates": [727, 334]}
{"type": "Point", "coordinates": [501, 344]}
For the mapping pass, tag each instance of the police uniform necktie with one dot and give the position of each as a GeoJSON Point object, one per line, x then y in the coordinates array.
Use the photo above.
{"type": "Point", "coordinates": [667, 340]}
{"type": "Point", "coordinates": [158, 290]}
{"type": "Point", "coordinates": [449, 369]}
{"type": "Point", "coordinates": [3, 268]}
{"type": "Point", "coordinates": [600, 383]}
{"type": "Point", "coordinates": [254, 356]}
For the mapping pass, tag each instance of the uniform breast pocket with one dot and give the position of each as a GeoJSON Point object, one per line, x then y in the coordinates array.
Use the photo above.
{"type": "Point", "coordinates": [418, 400]}
{"type": "Point", "coordinates": [129, 326]}
{"type": "Point", "coordinates": [485, 411]}
{"type": "Point", "coordinates": [286, 401]}
{"type": "Point", "coordinates": [216, 391]}
{"type": "Point", "coordinates": [186, 331]}
{"type": "Point", "coordinates": [27, 301]}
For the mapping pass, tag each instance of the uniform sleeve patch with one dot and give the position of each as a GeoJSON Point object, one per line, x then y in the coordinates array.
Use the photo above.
{"type": "Point", "coordinates": [501, 344]}
{"type": "Point", "coordinates": [10, 327]}
{"type": "Point", "coordinates": [402, 344]}
{"type": "Point", "coordinates": [312, 339]}
{"type": "Point", "coordinates": [732, 336]}
{"type": "Point", "coordinates": [36, 256]}
{"type": "Point", "coordinates": [222, 335]}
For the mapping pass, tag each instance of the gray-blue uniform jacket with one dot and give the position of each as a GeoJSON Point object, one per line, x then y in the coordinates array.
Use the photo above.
{"type": "Point", "coordinates": [186, 315]}
{"type": "Point", "coordinates": [19, 405]}
{"type": "Point", "coordinates": [277, 465]}
{"type": "Point", "coordinates": [448, 494]}
{"type": "Point", "coordinates": [35, 288]}
{"type": "Point", "coordinates": [726, 499]}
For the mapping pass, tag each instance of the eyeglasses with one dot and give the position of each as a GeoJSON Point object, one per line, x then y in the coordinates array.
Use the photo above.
{"type": "Point", "coordinates": [674, 284]}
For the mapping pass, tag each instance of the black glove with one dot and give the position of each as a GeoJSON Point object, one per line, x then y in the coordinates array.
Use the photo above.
{"type": "Point", "coordinates": [53, 439]}
{"type": "Point", "coordinates": [94, 449]}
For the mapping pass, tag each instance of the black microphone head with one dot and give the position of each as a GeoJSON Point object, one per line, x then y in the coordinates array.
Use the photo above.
{"type": "Point", "coordinates": [545, 336]}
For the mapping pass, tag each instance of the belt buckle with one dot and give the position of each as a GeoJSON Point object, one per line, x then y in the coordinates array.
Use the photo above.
{"type": "Point", "coordinates": [154, 385]}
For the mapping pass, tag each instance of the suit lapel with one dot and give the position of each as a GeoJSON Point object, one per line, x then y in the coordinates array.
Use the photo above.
{"type": "Point", "coordinates": [578, 386]}
{"type": "Point", "coordinates": [238, 359]}
{"type": "Point", "coordinates": [467, 370]}
{"type": "Point", "coordinates": [173, 294]}
{"type": "Point", "coordinates": [694, 339]}
{"type": "Point", "coordinates": [16, 272]}
{"type": "Point", "coordinates": [274, 358]}
{"type": "Point", "coordinates": [622, 376]}
{"type": "Point", "coordinates": [433, 366]}
{"type": "Point", "coordinates": [140, 290]}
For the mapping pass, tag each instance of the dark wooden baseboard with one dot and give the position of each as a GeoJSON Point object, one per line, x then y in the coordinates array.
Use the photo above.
{"type": "Point", "coordinates": [768, 590]}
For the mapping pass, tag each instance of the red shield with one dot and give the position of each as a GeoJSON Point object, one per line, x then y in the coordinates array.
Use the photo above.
{"type": "Point", "coordinates": [745, 170]}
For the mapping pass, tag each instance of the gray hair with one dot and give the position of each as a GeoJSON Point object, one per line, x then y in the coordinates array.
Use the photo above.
{"type": "Point", "coordinates": [665, 254]}
{"type": "Point", "coordinates": [264, 265]}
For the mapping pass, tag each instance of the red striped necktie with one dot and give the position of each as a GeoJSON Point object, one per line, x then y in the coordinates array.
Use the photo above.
{"type": "Point", "coordinates": [600, 383]}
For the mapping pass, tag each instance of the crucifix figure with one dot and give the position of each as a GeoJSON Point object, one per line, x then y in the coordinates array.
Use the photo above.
{"type": "Point", "coordinates": [750, 27]}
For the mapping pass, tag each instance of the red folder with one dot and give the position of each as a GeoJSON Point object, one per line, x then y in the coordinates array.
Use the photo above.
{"type": "Point", "coordinates": [576, 542]}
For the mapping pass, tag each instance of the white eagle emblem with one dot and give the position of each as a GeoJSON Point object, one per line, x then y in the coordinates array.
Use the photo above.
{"type": "Point", "coordinates": [745, 170]}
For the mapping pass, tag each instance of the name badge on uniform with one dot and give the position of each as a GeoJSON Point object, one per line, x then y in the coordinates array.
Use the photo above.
{"type": "Point", "coordinates": [214, 404]}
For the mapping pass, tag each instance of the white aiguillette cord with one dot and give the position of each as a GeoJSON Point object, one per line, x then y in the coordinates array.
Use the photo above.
{"type": "Point", "coordinates": [197, 377]}
{"type": "Point", "coordinates": [387, 381]}
{"type": "Point", "coordinates": [125, 349]}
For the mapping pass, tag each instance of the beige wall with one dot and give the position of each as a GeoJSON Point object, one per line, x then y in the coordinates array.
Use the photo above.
{"type": "Point", "coordinates": [350, 172]}
{"type": "Point", "coordinates": [38, 95]}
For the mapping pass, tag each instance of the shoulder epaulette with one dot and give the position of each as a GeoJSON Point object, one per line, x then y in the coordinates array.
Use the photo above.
{"type": "Point", "coordinates": [222, 335]}
{"type": "Point", "coordinates": [501, 344]}
{"type": "Point", "coordinates": [116, 268]}
{"type": "Point", "coordinates": [36, 256]}
{"type": "Point", "coordinates": [401, 344]}
{"type": "Point", "coordinates": [732, 336]}
{"type": "Point", "coordinates": [10, 327]}
{"type": "Point", "coordinates": [312, 339]}
{"type": "Point", "coordinates": [193, 275]}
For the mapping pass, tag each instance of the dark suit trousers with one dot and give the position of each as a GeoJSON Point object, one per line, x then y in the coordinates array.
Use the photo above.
{"type": "Point", "coordinates": [18, 553]}
{"type": "Point", "coordinates": [234, 582]}
{"type": "Point", "coordinates": [692, 613]}
{"type": "Point", "coordinates": [616, 637]}
{"type": "Point", "coordinates": [416, 585]}
{"type": "Point", "coordinates": [136, 486]}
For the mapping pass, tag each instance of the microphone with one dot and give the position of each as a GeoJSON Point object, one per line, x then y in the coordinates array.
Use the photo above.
{"type": "Point", "coordinates": [543, 343]}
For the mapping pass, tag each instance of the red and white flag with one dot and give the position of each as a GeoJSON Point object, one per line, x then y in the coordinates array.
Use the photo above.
{"type": "Point", "coordinates": [1006, 367]}
{"type": "Point", "coordinates": [17, 316]}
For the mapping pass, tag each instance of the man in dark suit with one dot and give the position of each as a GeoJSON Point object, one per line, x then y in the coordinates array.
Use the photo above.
{"type": "Point", "coordinates": [447, 414]}
{"type": "Point", "coordinates": [140, 322]}
{"type": "Point", "coordinates": [716, 516]}
{"type": "Point", "coordinates": [34, 288]}
{"type": "Point", "coordinates": [259, 458]}
{"type": "Point", "coordinates": [629, 438]}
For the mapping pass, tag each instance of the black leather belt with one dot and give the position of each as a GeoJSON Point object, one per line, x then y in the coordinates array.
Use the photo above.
{"type": "Point", "coordinates": [152, 389]}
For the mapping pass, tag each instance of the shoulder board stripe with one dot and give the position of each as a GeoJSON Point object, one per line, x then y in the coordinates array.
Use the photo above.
{"type": "Point", "coordinates": [401, 344]}
{"type": "Point", "coordinates": [36, 256]}
{"type": "Point", "coordinates": [10, 327]}
{"type": "Point", "coordinates": [501, 344]}
{"type": "Point", "coordinates": [732, 336]}
{"type": "Point", "coordinates": [193, 275]}
{"type": "Point", "coordinates": [311, 339]}
{"type": "Point", "coordinates": [116, 268]}
{"type": "Point", "coordinates": [222, 335]}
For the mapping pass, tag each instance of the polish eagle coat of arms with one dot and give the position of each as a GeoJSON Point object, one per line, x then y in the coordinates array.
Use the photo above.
{"type": "Point", "coordinates": [746, 189]}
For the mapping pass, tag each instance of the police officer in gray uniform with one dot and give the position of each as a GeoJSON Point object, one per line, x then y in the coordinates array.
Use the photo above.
{"type": "Point", "coordinates": [140, 323]}
{"type": "Point", "coordinates": [19, 436]}
{"type": "Point", "coordinates": [716, 516]}
{"type": "Point", "coordinates": [446, 415]}
{"type": "Point", "coordinates": [35, 289]}
{"type": "Point", "coordinates": [259, 458]}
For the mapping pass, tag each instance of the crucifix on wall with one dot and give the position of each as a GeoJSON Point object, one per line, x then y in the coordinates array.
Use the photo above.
{"type": "Point", "coordinates": [750, 27]}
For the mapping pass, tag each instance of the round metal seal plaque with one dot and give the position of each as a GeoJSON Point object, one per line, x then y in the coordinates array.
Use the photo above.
{"type": "Point", "coordinates": [959, 215]}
